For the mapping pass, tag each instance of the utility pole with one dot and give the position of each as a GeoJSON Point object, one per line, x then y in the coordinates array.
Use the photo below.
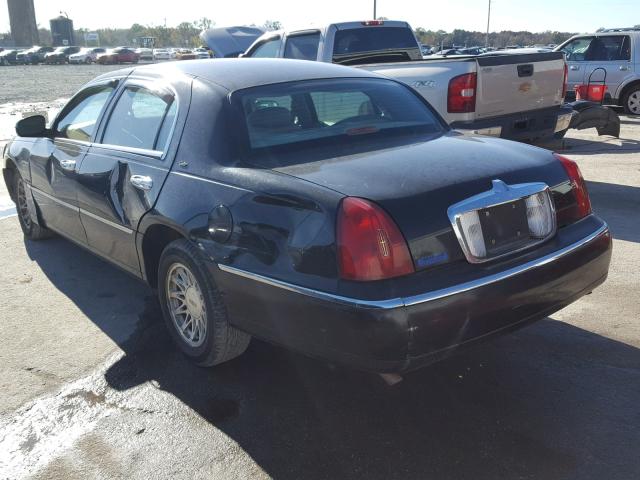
{"type": "Point", "coordinates": [374, 10]}
{"type": "Point", "coordinates": [486, 41]}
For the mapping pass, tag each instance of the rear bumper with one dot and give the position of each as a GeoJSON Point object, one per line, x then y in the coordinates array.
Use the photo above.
{"type": "Point", "coordinates": [524, 126]}
{"type": "Point", "coordinates": [407, 332]}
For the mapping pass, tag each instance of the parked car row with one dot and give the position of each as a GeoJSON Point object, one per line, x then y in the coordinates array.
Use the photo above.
{"type": "Point", "coordinates": [87, 55]}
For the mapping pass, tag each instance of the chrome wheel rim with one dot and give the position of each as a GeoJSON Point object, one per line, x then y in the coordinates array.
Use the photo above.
{"type": "Point", "coordinates": [186, 305]}
{"type": "Point", "coordinates": [23, 206]}
{"type": "Point", "coordinates": [633, 102]}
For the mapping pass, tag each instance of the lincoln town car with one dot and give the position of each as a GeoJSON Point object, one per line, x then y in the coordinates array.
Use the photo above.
{"type": "Point", "coordinates": [319, 207]}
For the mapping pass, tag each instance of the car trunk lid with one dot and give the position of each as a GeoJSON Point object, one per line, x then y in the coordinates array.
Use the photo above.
{"type": "Point", "coordinates": [417, 183]}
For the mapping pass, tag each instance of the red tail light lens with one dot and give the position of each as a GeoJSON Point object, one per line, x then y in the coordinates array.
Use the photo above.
{"type": "Point", "coordinates": [582, 207]}
{"type": "Point", "coordinates": [565, 85]}
{"type": "Point", "coordinates": [370, 246]}
{"type": "Point", "coordinates": [372, 23]}
{"type": "Point", "coordinates": [462, 94]}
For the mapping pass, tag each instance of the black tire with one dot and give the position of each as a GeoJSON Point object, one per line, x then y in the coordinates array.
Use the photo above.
{"type": "Point", "coordinates": [31, 229]}
{"type": "Point", "coordinates": [631, 100]}
{"type": "Point", "coordinates": [221, 342]}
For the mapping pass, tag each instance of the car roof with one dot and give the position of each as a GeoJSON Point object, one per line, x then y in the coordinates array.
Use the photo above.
{"type": "Point", "coordinates": [238, 73]}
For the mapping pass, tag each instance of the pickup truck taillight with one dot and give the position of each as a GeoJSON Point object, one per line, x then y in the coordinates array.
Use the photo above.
{"type": "Point", "coordinates": [370, 245]}
{"type": "Point", "coordinates": [461, 97]}
{"type": "Point", "coordinates": [582, 206]}
{"type": "Point", "coordinates": [565, 85]}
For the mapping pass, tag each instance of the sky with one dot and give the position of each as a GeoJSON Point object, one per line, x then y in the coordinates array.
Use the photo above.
{"type": "Point", "coordinates": [532, 15]}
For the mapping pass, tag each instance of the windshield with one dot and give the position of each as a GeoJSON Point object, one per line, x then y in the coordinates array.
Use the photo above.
{"type": "Point", "coordinates": [355, 41]}
{"type": "Point", "coordinates": [60, 49]}
{"type": "Point", "coordinates": [324, 111]}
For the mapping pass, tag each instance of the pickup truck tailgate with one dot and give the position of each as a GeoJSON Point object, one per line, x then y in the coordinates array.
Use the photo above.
{"type": "Point", "coordinates": [518, 83]}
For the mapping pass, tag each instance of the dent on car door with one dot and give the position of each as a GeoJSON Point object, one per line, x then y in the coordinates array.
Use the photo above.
{"type": "Point", "coordinates": [122, 174]}
{"type": "Point", "coordinates": [55, 160]}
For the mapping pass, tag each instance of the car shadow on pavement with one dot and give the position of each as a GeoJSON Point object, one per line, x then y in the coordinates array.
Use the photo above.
{"type": "Point", "coordinates": [605, 145]}
{"type": "Point", "coordinates": [619, 206]}
{"type": "Point", "coordinates": [548, 401]}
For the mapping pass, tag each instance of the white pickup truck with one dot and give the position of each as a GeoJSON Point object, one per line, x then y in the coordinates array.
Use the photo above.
{"type": "Point", "coordinates": [517, 97]}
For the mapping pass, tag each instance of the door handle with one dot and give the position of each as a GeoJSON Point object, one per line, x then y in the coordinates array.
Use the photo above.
{"type": "Point", "coordinates": [68, 164]}
{"type": "Point", "coordinates": [141, 182]}
{"type": "Point", "coordinates": [574, 67]}
{"type": "Point", "coordinates": [624, 68]}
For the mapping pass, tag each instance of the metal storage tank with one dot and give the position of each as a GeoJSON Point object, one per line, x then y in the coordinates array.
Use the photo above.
{"type": "Point", "coordinates": [62, 31]}
{"type": "Point", "coordinates": [22, 16]}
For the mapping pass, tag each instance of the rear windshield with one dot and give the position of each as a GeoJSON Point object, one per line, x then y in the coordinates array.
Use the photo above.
{"type": "Point", "coordinates": [323, 112]}
{"type": "Point", "coordinates": [372, 39]}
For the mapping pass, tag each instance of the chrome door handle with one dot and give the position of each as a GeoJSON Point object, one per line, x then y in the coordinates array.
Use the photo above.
{"type": "Point", "coordinates": [624, 68]}
{"type": "Point", "coordinates": [141, 182]}
{"type": "Point", "coordinates": [68, 164]}
{"type": "Point", "coordinates": [574, 67]}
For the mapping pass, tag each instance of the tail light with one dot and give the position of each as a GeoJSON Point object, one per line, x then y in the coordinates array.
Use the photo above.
{"type": "Point", "coordinates": [372, 23]}
{"type": "Point", "coordinates": [462, 94]}
{"type": "Point", "coordinates": [565, 85]}
{"type": "Point", "coordinates": [370, 246]}
{"type": "Point", "coordinates": [582, 206]}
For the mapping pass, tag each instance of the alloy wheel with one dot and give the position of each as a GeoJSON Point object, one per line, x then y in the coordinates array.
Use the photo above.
{"type": "Point", "coordinates": [633, 102]}
{"type": "Point", "coordinates": [23, 206]}
{"type": "Point", "coordinates": [186, 305]}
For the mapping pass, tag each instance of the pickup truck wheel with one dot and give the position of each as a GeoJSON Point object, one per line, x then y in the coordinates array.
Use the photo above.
{"type": "Point", "coordinates": [631, 101]}
{"type": "Point", "coordinates": [193, 308]}
{"type": "Point", "coordinates": [31, 229]}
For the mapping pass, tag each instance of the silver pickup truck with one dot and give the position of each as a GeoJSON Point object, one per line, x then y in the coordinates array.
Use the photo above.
{"type": "Point", "coordinates": [612, 56]}
{"type": "Point", "coordinates": [510, 96]}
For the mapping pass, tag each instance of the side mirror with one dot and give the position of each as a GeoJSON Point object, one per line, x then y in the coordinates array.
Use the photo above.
{"type": "Point", "coordinates": [34, 126]}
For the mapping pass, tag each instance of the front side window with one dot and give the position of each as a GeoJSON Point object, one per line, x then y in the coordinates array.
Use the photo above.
{"type": "Point", "coordinates": [268, 49]}
{"type": "Point", "coordinates": [302, 47]}
{"type": "Point", "coordinates": [576, 50]}
{"type": "Point", "coordinates": [79, 122]}
{"type": "Point", "coordinates": [609, 49]}
{"type": "Point", "coordinates": [326, 112]}
{"type": "Point", "coordinates": [138, 117]}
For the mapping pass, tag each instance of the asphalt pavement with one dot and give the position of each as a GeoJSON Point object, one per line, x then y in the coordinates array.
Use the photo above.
{"type": "Point", "coordinates": [91, 387]}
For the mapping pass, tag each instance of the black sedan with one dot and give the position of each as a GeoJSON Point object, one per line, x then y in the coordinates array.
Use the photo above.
{"type": "Point", "coordinates": [315, 206]}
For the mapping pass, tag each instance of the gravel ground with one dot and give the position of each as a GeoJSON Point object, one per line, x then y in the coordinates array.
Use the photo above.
{"type": "Point", "coordinates": [91, 387]}
{"type": "Point", "coordinates": [45, 83]}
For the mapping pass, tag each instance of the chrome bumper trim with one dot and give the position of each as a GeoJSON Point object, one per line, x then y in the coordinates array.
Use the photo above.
{"type": "Point", "coordinates": [423, 297]}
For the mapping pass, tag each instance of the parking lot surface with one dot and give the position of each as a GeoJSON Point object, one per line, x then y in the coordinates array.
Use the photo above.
{"type": "Point", "coordinates": [91, 386]}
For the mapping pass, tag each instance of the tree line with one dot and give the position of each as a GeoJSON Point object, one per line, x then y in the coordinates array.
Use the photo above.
{"type": "Point", "coordinates": [186, 34]}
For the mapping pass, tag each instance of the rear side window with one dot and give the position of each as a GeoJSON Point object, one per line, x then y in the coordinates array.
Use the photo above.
{"type": "Point", "coordinates": [302, 47]}
{"type": "Point", "coordinates": [141, 119]}
{"type": "Point", "coordinates": [323, 112]}
{"type": "Point", "coordinates": [372, 39]}
{"type": "Point", "coordinates": [608, 49]}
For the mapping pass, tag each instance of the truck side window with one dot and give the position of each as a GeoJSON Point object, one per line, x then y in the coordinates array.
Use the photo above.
{"type": "Point", "coordinates": [608, 49]}
{"type": "Point", "coordinates": [267, 49]}
{"type": "Point", "coordinates": [576, 50]}
{"type": "Point", "coordinates": [302, 47]}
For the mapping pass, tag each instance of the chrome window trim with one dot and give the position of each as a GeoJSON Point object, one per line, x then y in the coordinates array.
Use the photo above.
{"type": "Point", "coordinates": [499, 194]}
{"type": "Point", "coordinates": [423, 297]}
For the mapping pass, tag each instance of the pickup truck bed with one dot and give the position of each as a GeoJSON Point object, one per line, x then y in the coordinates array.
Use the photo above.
{"type": "Point", "coordinates": [516, 96]}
